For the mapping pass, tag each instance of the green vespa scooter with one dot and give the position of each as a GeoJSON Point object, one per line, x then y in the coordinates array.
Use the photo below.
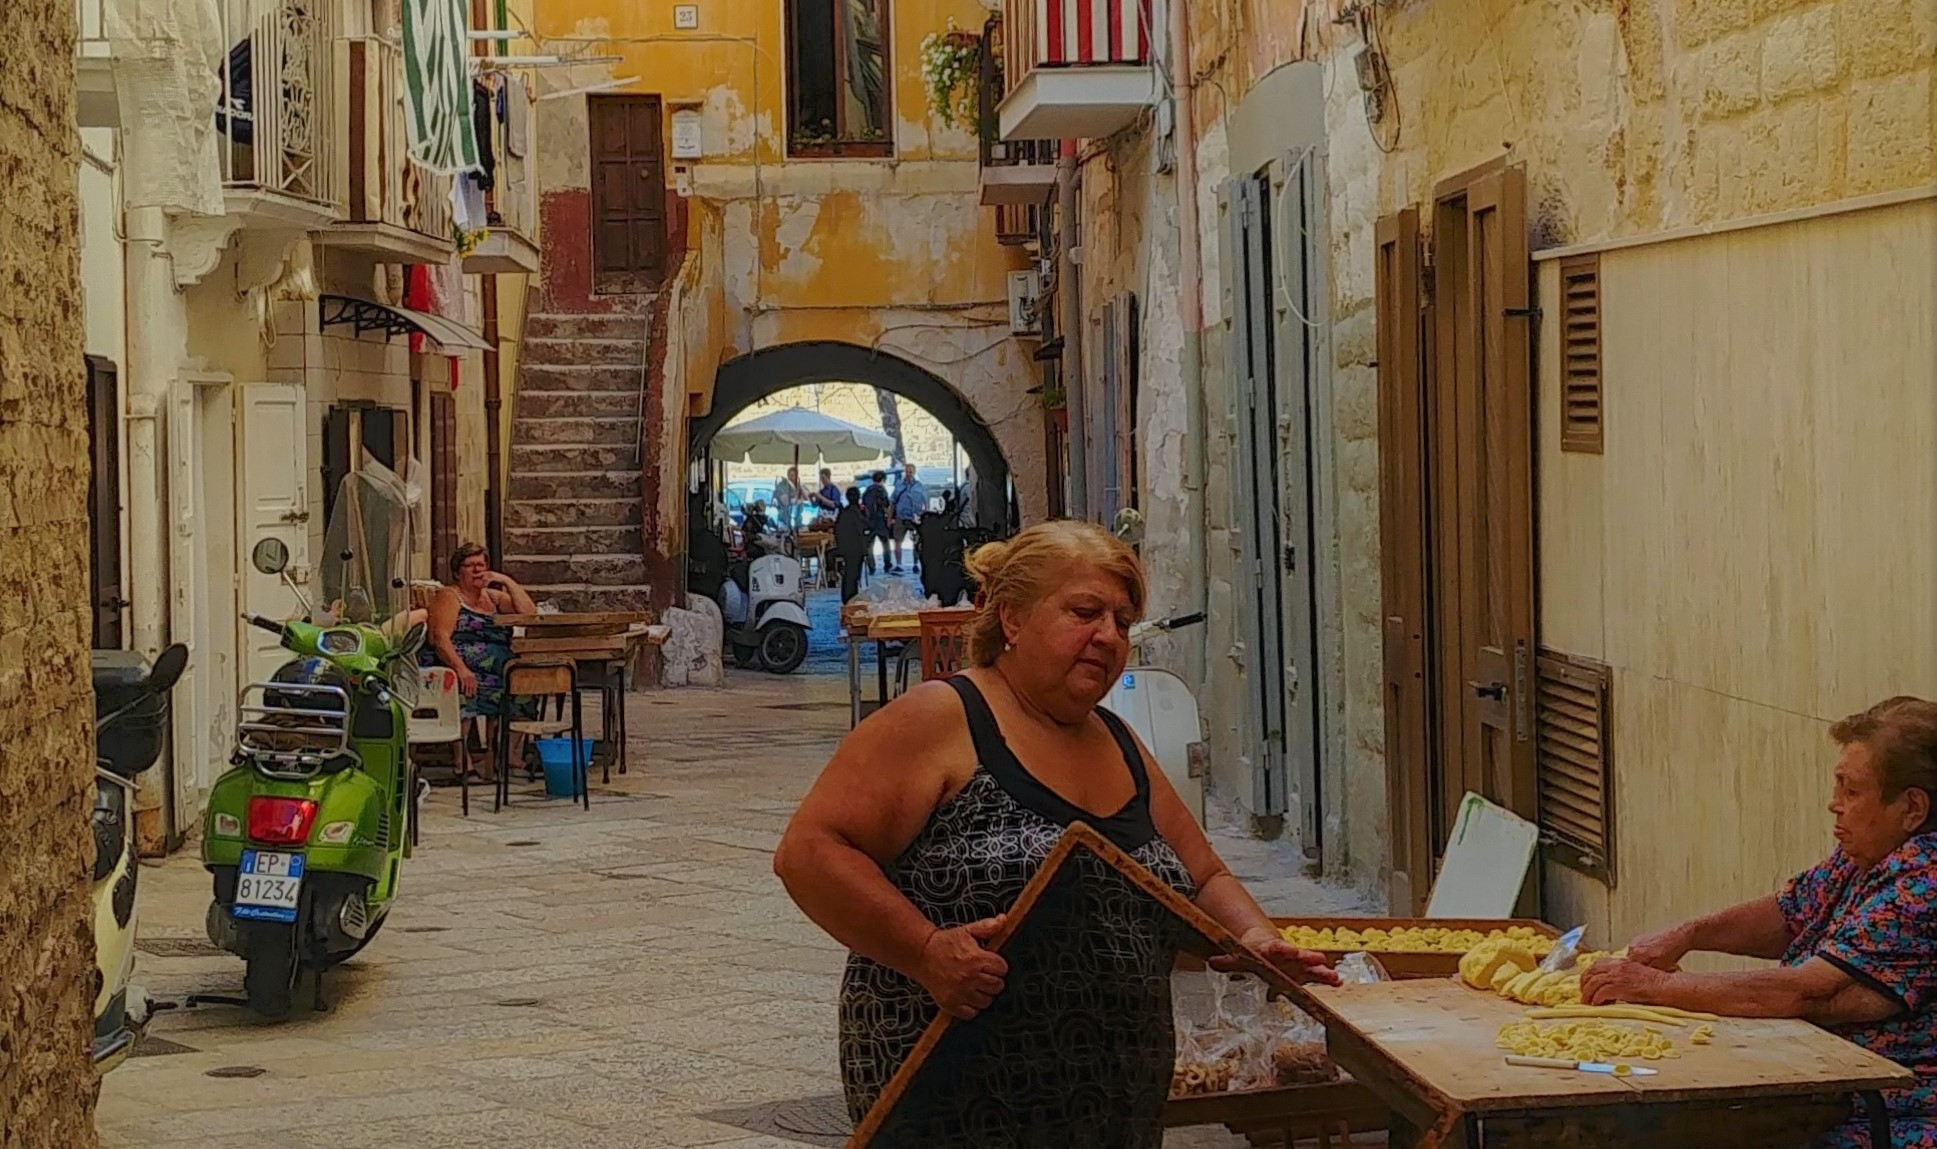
{"type": "Point", "coordinates": [305, 835]}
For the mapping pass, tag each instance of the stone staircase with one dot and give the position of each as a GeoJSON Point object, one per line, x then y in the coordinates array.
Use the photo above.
{"type": "Point", "coordinates": [573, 519]}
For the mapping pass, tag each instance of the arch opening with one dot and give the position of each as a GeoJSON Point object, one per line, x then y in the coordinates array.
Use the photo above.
{"type": "Point", "coordinates": [749, 378]}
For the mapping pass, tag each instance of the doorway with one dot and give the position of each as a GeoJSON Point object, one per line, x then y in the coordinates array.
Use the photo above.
{"type": "Point", "coordinates": [628, 194]}
{"type": "Point", "coordinates": [1276, 366]}
{"type": "Point", "coordinates": [1456, 482]}
{"type": "Point", "coordinates": [104, 502]}
{"type": "Point", "coordinates": [204, 611]}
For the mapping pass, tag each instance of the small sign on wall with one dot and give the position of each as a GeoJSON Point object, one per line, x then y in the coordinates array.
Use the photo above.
{"type": "Point", "coordinates": [687, 141]}
{"type": "Point", "coordinates": [686, 17]}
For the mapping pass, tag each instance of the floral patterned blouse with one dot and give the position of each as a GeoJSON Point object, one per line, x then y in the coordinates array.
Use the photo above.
{"type": "Point", "coordinates": [1880, 927]}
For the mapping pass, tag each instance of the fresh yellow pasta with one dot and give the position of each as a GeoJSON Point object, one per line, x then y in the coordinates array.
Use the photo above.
{"type": "Point", "coordinates": [1588, 1039]}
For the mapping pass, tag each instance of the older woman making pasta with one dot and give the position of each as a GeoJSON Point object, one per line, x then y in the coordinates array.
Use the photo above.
{"type": "Point", "coordinates": [934, 814]}
{"type": "Point", "coordinates": [1855, 935]}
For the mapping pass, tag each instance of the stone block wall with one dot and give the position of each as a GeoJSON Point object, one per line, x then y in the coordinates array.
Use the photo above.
{"type": "Point", "coordinates": [47, 1086]}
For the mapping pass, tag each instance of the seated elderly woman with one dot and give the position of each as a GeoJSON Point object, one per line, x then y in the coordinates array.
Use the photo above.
{"type": "Point", "coordinates": [466, 636]}
{"type": "Point", "coordinates": [1855, 935]}
{"type": "Point", "coordinates": [935, 812]}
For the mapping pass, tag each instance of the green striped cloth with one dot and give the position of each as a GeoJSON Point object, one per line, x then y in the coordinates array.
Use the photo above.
{"type": "Point", "coordinates": [438, 82]}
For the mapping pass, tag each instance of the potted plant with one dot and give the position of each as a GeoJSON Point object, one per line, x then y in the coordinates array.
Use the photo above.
{"type": "Point", "coordinates": [948, 73]}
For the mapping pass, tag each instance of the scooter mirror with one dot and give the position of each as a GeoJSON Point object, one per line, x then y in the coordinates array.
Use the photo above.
{"type": "Point", "coordinates": [167, 670]}
{"type": "Point", "coordinates": [270, 556]}
{"type": "Point", "coordinates": [1129, 525]}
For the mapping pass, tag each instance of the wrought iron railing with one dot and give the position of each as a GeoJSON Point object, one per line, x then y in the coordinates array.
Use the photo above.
{"type": "Point", "coordinates": [386, 186]}
{"type": "Point", "coordinates": [278, 99]}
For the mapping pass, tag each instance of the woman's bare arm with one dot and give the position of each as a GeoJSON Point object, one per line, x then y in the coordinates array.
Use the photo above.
{"type": "Point", "coordinates": [1753, 929]}
{"type": "Point", "coordinates": [1219, 893]}
{"type": "Point", "coordinates": [442, 625]}
{"type": "Point", "coordinates": [869, 804]}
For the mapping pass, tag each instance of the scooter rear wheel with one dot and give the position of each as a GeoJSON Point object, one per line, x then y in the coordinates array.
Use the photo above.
{"type": "Point", "coordinates": [269, 975]}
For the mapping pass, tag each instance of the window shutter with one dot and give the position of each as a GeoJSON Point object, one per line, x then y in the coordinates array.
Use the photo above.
{"type": "Point", "coordinates": [1580, 357]}
{"type": "Point", "coordinates": [1575, 771]}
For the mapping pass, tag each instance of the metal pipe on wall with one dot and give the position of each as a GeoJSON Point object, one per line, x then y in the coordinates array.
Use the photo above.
{"type": "Point", "coordinates": [1069, 292]}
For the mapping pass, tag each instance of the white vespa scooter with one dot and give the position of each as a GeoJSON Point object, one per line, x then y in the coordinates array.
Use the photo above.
{"type": "Point", "coordinates": [766, 610]}
{"type": "Point", "coordinates": [1156, 703]}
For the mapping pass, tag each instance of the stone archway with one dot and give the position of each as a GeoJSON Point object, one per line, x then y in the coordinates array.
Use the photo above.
{"type": "Point", "coordinates": [749, 378]}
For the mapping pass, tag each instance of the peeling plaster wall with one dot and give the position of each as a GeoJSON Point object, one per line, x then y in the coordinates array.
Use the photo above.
{"type": "Point", "coordinates": [895, 254]}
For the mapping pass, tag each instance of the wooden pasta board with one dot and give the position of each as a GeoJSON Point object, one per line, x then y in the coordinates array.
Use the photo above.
{"type": "Point", "coordinates": [1205, 931]}
{"type": "Point", "coordinates": [1442, 1036]}
{"type": "Point", "coordinates": [1403, 964]}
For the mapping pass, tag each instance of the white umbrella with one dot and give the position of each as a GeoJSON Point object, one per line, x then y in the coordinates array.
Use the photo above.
{"type": "Point", "coordinates": [791, 435]}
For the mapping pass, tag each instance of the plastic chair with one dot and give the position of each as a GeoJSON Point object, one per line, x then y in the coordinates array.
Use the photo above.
{"type": "Point", "coordinates": [439, 716]}
{"type": "Point", "coordinates": [541, 677]}
{"type": "Point", "coordinates": [942, 650]}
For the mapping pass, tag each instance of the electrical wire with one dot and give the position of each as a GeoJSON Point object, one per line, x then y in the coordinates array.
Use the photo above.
{"type": "Point", "coordinates": [1278, 232]}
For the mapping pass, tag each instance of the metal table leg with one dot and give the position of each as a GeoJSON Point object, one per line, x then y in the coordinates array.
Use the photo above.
{"type": "Point", "coordinates": [853, 680]}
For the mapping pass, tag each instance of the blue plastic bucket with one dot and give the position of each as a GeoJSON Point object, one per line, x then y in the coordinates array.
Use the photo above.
{"type": "Point", "coordinates": [555, 754]}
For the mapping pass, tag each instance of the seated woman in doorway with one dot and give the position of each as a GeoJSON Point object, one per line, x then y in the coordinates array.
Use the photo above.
{"type": "Point", "coordinates": [466, 636]}
{"type": "Point", "coordinates": [935, 813]}
{"type": "Point", "coordinates": [1856, 935]}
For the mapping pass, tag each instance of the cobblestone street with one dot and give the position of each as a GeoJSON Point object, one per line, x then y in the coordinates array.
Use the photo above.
{"type": "Point", "coordinates": [629, 977]}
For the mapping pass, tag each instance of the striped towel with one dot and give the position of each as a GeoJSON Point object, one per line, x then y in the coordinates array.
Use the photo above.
{"type": "Point", "coordinates": [438, 82]}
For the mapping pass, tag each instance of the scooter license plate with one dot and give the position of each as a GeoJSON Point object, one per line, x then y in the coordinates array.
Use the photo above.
{"type": "Point", "coordinates": [268, 886]}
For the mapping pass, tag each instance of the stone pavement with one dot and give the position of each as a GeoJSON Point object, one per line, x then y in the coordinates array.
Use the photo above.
{"type": "Point", "coordinates": [552, 977]}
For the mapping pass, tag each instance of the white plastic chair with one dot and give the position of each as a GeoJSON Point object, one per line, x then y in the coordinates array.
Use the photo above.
{"type": "Point", "coordinates": [438, 716]}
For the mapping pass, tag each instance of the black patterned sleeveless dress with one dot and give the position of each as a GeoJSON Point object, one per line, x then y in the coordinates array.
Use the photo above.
{"type": "Point", "coordinates": [1077, 1051]}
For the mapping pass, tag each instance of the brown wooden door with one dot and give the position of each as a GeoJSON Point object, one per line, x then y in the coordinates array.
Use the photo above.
{"type": "Point", "coordinates": [1456, 485]}
{"type": "Point", "coordinates": [1481, 495]}
{"type": "Point", "coordinates": [104, 501]}
{"type": "Point", "coordinates": [628, 194]}
{"type": "Point", "coordinates": [1402, 561]}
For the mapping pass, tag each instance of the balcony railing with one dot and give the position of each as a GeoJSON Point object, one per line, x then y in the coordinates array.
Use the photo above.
{"type": "Point", "coordinates": [389, 192]}
{"type": "Point", "coordinates": [510, 243]}
{"type": "Point", "coordinates": [278, 100]}
{"type": "Point", "coordinates": [1074, 69]}
{"type": "Point", "coordinates": [1014, 172]}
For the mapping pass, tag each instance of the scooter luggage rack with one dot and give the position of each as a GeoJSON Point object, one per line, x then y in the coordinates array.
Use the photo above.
{"type": "Point", "coordinates": [299, 739]}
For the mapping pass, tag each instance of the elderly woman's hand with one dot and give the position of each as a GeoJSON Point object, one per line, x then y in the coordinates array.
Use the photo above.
{"type": "Point", "coordinates": [958, 973]}
{"type": "Point", "coordinates": [1663, 949]}
{"type": "Point", "coordinates": [467, 682]}
{"type": "Point", "coordinates": [1616, 980]}
{"type": "Point", "coordinates": [1297, 964]}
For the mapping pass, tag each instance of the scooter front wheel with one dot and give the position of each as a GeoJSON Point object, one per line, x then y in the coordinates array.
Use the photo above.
{"type": "Point", "coordinates": [783, 647]}
{"type": "Point", "coordinates": [269, 976]}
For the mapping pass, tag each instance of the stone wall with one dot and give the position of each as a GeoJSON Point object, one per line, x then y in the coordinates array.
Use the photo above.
{"type": "Point", "coordinates": [46, 1084]}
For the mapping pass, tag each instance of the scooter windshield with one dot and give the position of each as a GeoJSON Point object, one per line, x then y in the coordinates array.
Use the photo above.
{"type": "Point", "coordinates": [366, 552]}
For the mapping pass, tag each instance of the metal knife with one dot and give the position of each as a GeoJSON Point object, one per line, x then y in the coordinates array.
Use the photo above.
{"type": "Point", "coordinates": [1616, 1069]}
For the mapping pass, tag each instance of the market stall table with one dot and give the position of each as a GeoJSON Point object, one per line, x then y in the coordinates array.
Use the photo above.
{"type": "Point", "coordinates": [880, 630]}
{"type": "Point", "coordinates": [1427, 1050]}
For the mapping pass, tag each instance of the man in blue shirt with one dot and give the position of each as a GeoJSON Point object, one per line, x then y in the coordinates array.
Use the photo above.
{"type": "Point", "coordinates": [911, 502]}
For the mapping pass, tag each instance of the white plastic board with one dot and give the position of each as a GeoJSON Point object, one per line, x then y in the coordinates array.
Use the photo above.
{"type": "Point", "coordinates": [1486, 862]}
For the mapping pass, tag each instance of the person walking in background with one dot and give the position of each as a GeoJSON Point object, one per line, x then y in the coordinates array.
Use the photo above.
{"type": "Point", "coordinates": [851, 543]}
{"type": "Point", "coordinates": [911, 502]}
{"type": "Point", "coordinates": [786, 494]}
{"type": "Point", "coordinates": [880, 511]}
{"type": "Point", "coordinates": [828, 496]}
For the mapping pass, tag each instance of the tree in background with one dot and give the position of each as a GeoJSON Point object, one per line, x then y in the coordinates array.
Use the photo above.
{"type": "Point", "coordinates": [891, 422]}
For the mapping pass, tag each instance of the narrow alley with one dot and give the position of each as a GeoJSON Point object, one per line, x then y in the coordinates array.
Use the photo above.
{"type": "Point", "coordinates": [629, 977]}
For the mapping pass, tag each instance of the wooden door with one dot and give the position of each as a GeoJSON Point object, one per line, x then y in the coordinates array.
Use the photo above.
{"type": "Point", "coordinates": [628, 194]}
{"type": "Point", "coordinates": [1481, 414]}
{"type": "Point", "coordinates": [1402, 562]}
{"type": "Point", "coordinates": [273, 502]}
{"type": "Point", "coordinates": [443, 483]}
{"type": "Point", "coordinates": [104, 501]}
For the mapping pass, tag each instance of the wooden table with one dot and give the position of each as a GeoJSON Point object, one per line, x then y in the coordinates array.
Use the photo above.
{"type": "Point", "coordinates": [604, 642]}
{"type": "Point", "coordinates": [1329, 1113]}
{"type": "Point", "coordinates": [880, 633]}
{"type": "Point", "coordinates": [1426, 1049]}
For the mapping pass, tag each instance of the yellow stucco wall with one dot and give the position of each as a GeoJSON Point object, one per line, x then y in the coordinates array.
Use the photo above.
{"type": "Point", "coordinates": [893, 254]}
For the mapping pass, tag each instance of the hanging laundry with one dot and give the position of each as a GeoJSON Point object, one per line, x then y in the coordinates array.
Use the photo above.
{"type": "Point", "coordinates": [437, 81]}
{"type": "Point", "coordinates": [486, 173]}
{"type": "Point", "coordinates": [517, 116]}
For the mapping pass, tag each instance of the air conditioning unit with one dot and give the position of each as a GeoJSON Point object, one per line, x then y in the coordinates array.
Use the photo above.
{"type": "Point", "coordinates": [1025, 303]}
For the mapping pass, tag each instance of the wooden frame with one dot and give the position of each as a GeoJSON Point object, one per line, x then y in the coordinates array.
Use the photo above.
{"type": "Point", "coordinates": [1080, 836]}
{"type": "Point", "coordinates": [840, 147]}
{"type": "Point", "coordinates": [1576, 764]}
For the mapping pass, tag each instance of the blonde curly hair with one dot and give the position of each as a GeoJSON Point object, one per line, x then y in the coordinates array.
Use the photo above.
{"type": "Point", "coordinates": [1019, 572]}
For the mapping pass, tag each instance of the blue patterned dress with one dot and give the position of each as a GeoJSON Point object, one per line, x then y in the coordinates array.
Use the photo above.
{"type": "Point", "coordinates": [1880, 927]}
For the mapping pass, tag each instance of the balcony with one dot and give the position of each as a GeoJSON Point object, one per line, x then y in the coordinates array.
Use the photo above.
{"type": "Point", "coordinates": [274, 114]}
{"type": "Point", "coordinates": [96, 103]}
{"type": "Point", "coordinates": [1074, 70]}
{"type": "Point", "coordinates": [510, 243]}
{"type": "Point", "coordinates": [398, 212]}
{"type": "Point", "coordinates": [1014, 174]}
